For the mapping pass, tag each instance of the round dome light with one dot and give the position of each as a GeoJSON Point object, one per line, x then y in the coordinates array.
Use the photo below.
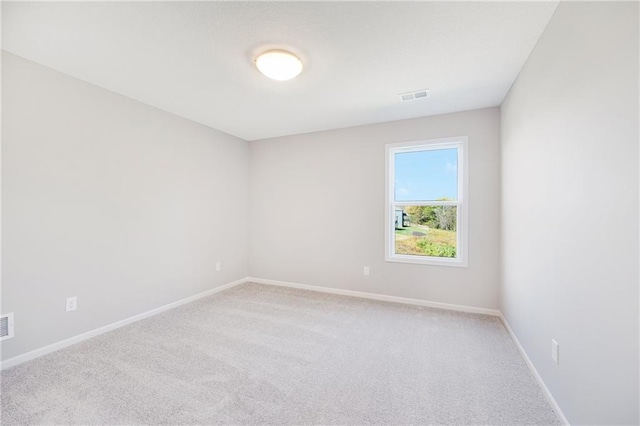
{"type": "Point", "coordinates": [279, 64]}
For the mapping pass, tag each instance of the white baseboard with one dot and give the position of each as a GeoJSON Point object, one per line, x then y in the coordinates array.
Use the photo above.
{"type": "Point", "coordinates": [374, 296]}
{"type": "Point", "coordinates": [89, 334]}
{"type": "Point", "coordinates": [534, 372]}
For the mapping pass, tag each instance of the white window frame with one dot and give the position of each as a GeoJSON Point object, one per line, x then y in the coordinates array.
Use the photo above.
{"type": "Point", "coordinates": [462, 230]}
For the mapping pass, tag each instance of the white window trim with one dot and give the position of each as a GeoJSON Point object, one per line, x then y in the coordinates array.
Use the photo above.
{"type": "Point", "coordinates": [462, 249]}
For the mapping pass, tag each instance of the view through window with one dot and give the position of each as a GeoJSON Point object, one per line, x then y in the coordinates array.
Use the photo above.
{"type": "Point", "coordinates": [425, 185]}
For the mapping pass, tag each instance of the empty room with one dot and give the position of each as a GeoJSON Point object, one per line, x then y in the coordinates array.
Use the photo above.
{"type": "Point", "coordinates": [320, 213]}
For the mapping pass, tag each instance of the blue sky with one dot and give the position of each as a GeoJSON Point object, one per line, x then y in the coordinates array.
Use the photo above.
{"type": "Point", "coordinates": [426, 175]}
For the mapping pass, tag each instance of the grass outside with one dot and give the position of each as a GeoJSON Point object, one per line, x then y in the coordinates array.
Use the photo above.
{"type": "Point", "coordinates": [424, 241]}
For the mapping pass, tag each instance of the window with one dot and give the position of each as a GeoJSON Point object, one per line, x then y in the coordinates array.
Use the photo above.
{"type": "Point", "coordinates": [426, 211]}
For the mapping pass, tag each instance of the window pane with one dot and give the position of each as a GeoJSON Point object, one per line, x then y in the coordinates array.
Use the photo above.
{"type": "Point", "coordinates": [426, 175]}
{"type": "Point", "coordinates": [426, 230]}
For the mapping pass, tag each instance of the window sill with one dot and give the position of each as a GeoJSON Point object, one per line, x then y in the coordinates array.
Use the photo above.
{"type": "Point", "coordinates": [434, 261]}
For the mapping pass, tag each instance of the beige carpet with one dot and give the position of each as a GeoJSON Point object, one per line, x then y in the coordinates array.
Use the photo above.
{"type": "Point", "coordinates": [258, 354]}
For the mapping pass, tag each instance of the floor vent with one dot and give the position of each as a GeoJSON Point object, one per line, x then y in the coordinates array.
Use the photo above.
{"type": "Point", "coordinates": [6, 326]}
{"type": "Point", "coordinates": [414, 96]}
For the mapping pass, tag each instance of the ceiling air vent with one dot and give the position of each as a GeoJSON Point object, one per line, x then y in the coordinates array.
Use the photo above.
{"type": "Point", "coordinates": [414, 96]}
{"type": "Point", "coordinates": [6, 326]}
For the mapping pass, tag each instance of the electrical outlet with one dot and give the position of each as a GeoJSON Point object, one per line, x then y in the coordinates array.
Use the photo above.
{"type": "Point", "coordinates": [72, 304]}
{"type": "Point", "coordinates": [365, 270]}
{"type": "Point", "coordinates": [555, 351]}
{"type": "Point", "coordinates": [218, 266]}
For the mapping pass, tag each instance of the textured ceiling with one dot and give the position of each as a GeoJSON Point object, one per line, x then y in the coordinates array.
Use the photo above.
{"type": "Point", "coordinates": [195, 59]}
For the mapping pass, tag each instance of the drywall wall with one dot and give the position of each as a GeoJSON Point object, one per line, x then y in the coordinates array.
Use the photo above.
{"type": "Point", "coordinates": [318, 202]}
{"type": "Point", "coordinates": [570, 210]}
{"type": "Point", "coordinates": [104, 198]}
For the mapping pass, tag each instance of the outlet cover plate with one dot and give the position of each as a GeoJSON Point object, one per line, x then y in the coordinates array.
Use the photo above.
{"type": "Point", "coordinates": [555, 351]}
{"type": "Point", "coordinates": [72, 304]}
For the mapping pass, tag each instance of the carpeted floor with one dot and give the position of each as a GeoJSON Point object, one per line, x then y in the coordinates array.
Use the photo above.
{"type": "Point", "coordinates": [258, 354]}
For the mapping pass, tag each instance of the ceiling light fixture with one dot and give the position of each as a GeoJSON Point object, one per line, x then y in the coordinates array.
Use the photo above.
{"type": "Point", "coordinates": [279, 64]}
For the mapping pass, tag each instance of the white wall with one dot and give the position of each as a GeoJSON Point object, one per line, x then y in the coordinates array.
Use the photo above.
{"type": "Point", "coordinates": [120, 204]}
{"type": "Point", "coordinates": [570, 210]}
{"type": "Point", "coordinates": [317, 210]}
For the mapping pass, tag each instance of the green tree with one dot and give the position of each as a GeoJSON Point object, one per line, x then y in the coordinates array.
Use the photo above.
{"type": "Point", "coordinates": [446, 217]}
{"type": "Point", "coordinates": [421, 215]}
{"type": "Point", "coordinates": [436, 217]}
